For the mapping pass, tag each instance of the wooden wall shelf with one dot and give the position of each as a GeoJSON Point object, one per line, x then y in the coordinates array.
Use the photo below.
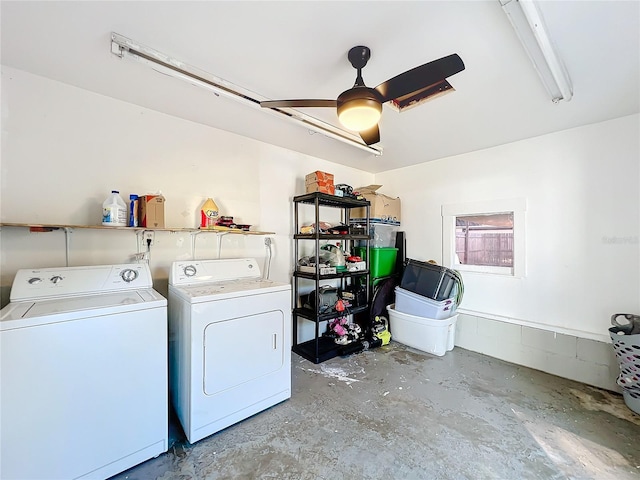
{"type": "Point", "coordinates": [39, 227]}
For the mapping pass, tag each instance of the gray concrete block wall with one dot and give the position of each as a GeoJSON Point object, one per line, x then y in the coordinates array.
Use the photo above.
{"type": "Point", "coordinates": [587, 361]}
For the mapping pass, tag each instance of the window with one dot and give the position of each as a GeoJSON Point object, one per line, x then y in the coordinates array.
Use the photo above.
{"type": "Point", "coordinates": [485, 237]}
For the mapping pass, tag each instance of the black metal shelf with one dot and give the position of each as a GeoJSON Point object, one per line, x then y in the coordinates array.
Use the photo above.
{"type": "Point", "coordinates": [331, 236]}
{"type": "Point", "coordinates": [312, 276]}
{"type": "Point", "coordinates": [312, 315]}
{"type": "Point", "coordinates": [324, 348]}
{"type": "Point", "coordinates": [321, 348]}
{"type": "Point", "coordinates": [330, 200]}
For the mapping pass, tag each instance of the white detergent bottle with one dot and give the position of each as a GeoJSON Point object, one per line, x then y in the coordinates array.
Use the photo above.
{"type": "Point", "coordinates": [114, 211]}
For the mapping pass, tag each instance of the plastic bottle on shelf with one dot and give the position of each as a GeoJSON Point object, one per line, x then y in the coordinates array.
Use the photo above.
{"type": "Point", "coordinates": [114, 211]}
{"type": "Point", "coordinates": [209, 214]}
{"type": "Point", "coordinates": [133, 210]}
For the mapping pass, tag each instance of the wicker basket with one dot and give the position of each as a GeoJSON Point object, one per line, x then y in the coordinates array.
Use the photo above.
{"type": "Point", "coordinates": [627, 348]}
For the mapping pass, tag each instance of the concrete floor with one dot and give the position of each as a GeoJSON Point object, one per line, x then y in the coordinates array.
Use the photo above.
{"type": "Point", "coordinates": [397, 413]}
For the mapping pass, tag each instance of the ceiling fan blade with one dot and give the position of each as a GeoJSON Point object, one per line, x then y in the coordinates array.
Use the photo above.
{"type": "Point", "coordinates": [371, 136]}
{"type": "Point", "coordinates": [298, 103]}
{"type": "Point", "coordinates": [420, 77]}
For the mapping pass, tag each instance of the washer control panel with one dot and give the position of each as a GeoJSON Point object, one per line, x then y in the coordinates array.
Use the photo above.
{"type": "Point", "coordinates": [129, 275]}
{"type": "Point", "coordinates": [190, 270]}
{"type": "Point", "coordinates": [31, 284]}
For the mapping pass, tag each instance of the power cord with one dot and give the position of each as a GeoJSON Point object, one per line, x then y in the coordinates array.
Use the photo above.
{"type": "Point", "coordinates": [142, 256]}
{"type": "Point", "coordinates": [460, 285]}
{"type": "Point", "coordinates": [148, 250]}
{"type": "Point", "coordinates": [267, 260]}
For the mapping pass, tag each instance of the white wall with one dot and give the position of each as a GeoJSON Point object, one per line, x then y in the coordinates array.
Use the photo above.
{"type": "Point", "coordinates": [64, 149]}
{"type": "Point", "coordinates": [582, 190]}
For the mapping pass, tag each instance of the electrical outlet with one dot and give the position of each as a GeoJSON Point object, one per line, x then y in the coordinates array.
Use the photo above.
{"type": "Point", "coordinates": [148, 238]}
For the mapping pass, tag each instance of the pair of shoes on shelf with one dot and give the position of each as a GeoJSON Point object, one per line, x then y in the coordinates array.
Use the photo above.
{"type": "Point", "coordinates": [338, 327]}
{"type": "Point", "coordinates": [352, 333]}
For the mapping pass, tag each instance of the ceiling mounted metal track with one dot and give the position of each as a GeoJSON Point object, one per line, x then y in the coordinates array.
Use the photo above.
{"type": "Point", "coordinates": [126, 48]}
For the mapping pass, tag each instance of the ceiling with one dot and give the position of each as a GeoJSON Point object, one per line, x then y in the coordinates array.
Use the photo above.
{"type": "Point", "coordinates": [299, 50]}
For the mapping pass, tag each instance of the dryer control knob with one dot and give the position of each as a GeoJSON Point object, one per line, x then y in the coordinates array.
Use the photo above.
{"type": "Point", "coordinates": [34, 280]}
{"type": "Point", "coordinates": [129, 275]}
{"type": "Point", "coordinates": [55, 279]}
{"type": "Point", "coordinates": [190, 270]}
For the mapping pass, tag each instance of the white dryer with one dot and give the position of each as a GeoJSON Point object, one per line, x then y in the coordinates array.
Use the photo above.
{"type": "Point", "coordinates": [84, 377]}
{"type": "Point", "coordinates": [229, 343]}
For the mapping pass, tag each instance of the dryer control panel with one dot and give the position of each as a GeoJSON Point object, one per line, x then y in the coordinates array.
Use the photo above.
{"type": "Point", "coordinates": [191, 272]}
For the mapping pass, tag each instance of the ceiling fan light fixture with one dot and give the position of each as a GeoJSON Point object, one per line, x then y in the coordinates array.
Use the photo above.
{"type": "Point", "coordinates": [359, 109]}
{"type": "Point", "coordinates": [359, 115]}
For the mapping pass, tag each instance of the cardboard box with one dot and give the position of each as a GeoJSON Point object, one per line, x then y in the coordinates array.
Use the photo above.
{"type": "Point", "coordinates": [321, 187]}
{"type": "Point", "coordinates": [151, 211]}
{"type": "Point", "coordinates": [319, 182]}
{"type": "Point", "coordinates": [383, 209]}
{"type": "Point", "coordinates": [318, 177]}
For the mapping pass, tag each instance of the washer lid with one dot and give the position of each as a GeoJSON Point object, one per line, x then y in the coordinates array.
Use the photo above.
{"type": "Point", "coordinates": [30, 313]}
{"type": "Point", "coordinates": [234, 288]}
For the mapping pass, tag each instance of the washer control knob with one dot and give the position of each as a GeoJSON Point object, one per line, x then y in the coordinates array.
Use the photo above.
{"type": "Point", "coordinates": [129, 275]}
{"type": "Point", "coordinates": [34, 280]}
{"type": "Point", "coordinates": [55, 279]}
{"type": "Point", "coordinates": [190, 270]}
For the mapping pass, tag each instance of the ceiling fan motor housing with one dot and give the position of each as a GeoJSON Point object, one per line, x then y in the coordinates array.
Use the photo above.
{"type": "Point", "coordinates": [359, 108]}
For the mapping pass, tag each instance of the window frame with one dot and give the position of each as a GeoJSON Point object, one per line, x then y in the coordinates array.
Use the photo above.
{"type": "Point", "coordinates": [489, 207]}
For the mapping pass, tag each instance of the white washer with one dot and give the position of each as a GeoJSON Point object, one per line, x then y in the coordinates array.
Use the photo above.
{"type": "Point", "coordinates": [84, 384]}
{"type": "Point", "coordinates": [229, 343]}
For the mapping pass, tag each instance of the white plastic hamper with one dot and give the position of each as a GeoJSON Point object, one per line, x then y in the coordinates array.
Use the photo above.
{"type": "Point", "coordinates": [427, 334]}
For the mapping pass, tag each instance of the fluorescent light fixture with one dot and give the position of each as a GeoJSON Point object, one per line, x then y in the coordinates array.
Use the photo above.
{"type": "Point", "coordinates": [124, 47]}
{"type": "Point", "coordinates": [527, 22]}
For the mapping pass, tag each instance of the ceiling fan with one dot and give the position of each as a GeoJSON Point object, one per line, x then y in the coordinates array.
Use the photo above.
{"type": "Point", "coordinates": [360, 107]}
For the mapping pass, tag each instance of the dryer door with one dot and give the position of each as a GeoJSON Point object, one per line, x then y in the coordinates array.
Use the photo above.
{"type": "Point", "coordinates": [240, 350]}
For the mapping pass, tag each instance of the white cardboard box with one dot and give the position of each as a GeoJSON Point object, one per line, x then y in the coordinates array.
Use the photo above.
{"type": "Point", "coordinates": [427, 334]}
{"type": "Point", "coordinates": [356, 266]}
{"type": "Point", "coordinates": [312, 269]}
